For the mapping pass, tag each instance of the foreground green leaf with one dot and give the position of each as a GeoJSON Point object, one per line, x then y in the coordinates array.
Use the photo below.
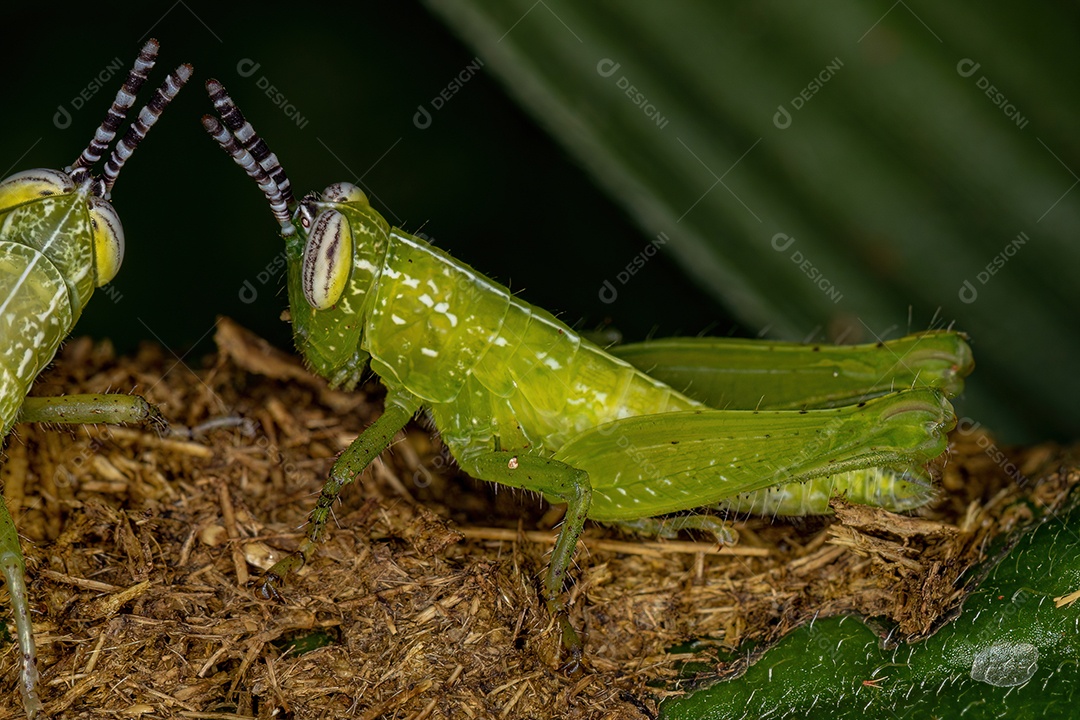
{"type": "Point", "coordinates": [1013, 652]}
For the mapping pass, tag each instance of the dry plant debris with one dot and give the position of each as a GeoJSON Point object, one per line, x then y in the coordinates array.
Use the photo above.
{"type": "Point", "coordinates": [426, 594]}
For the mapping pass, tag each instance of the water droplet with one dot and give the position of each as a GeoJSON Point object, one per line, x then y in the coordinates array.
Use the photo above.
{"type": "Point", "coordinates": [1006, 664]}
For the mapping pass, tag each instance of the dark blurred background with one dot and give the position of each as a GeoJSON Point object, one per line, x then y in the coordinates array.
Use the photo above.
{"type": "Point", "coordinates": [481, 180]}
{"type": "Point", "coordinates": [477, 175]}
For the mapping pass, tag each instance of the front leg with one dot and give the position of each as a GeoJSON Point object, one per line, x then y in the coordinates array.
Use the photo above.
{"type": "Point", "coordinates": [13, 568]}
{"type": "Point", "coordinates": [66, 409]}
{"type": "Point", "coordinates": [553, 479]}
{"type": "Point", "coordinates": [90, 409]}
{"type": "Point", "coordinates": [399, 409]}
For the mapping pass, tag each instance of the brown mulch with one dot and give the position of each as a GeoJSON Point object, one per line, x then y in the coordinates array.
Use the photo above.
{"type": "Point", "coordinates": [425, 596]}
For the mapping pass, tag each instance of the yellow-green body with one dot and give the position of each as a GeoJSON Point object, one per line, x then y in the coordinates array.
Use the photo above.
{"type": "Point", "coordinates": [46, 278]}
{"type": "Point", "coordinates": [498, 374]}
{"type": "Point", "coordinates": [522, 400]}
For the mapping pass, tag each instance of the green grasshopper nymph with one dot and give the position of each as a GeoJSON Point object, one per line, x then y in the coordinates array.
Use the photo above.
{"type": "Point", "coordinates": [522, 400]}
{"type": "Point", "coordinates": [59, 239]}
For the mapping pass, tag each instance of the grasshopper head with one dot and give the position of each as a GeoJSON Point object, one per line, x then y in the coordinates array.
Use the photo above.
{"type": "Point", "coordinates": [342, 241]}
{"type": "Point", "coordinates": [66, 214]}
{"type": "Point", "coordinates": [334, 257]}
{"type": "Point", "coordinates": [334, 247]}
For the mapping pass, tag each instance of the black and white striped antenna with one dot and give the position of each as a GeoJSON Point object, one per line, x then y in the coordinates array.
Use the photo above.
{"type": "Point", "coordinates": [148, 115]}
{"type": "Point", "coordinates": [238, 138]}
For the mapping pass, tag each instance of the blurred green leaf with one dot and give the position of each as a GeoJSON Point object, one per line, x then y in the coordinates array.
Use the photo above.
{"type": "Point", "coordinates": [858, 170]}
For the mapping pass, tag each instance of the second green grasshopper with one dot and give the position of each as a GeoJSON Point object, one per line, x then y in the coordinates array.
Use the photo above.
{"type": "Point", "coordinates": [60, 239]}
{"type": "Point", "coordinates": [522, 400]}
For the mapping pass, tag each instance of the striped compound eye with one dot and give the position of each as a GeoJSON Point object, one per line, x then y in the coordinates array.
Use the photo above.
{"type": "Point", "coordinates": [344, 192]}
{"type": "Point", "coordinates": [32, 185]}
{"type": "Point", "coordinates": [108, 241]}
{"type": "Point", "coordinates": [327, 259]}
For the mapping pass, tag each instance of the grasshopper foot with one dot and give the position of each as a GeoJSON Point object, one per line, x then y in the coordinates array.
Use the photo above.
{"type": "Point", "coordinates": [573, 645]}
{"type": "Point", "coordinates": [268, 586]}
